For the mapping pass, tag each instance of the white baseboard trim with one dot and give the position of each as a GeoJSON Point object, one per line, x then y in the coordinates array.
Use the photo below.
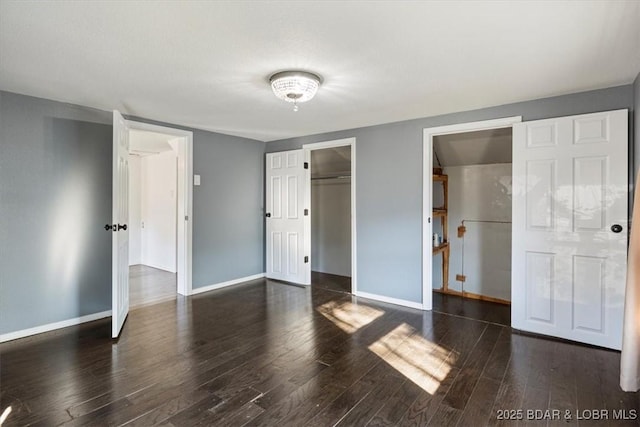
{"type": "Point", "coordinates": [215, 286]}
{"type": "Point", "coordinates": [390, 300]}
{"type": "Point", "coordinates": [53, 326]}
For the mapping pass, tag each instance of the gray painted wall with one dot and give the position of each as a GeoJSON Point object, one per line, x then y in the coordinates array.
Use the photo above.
{"type": "Point", "coordinates": [389, 189]}
{"type": "Point", "coordinates": [228, 208]}
{"type": "Point", "coordinates": [55, 197]}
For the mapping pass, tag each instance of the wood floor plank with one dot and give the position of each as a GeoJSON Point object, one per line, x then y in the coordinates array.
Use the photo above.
{"type": "Point", "coordinates": [242, 416]}
{"type": "Point", "coordinates": [349, 398]}
{"type": "Point", "coordinates": [225, 409]}
{"type": "Point", "coordinates": [167, 407]}
{"type": "Point", "coordinates": [562, 392]}
{"type": "Point", "coordinates": [425, 406]}
{"type": "Point", "coordinates": [363, 411]}
{"type": "Point", "coordinates": [394, 409]}
{"type": "Point", "coordinates": [445, 416]}
{"type": "Point", "coordinates": [512, 388]}
{"type": "Point", "coordinates": [465, 382]}
{"type": "Point", "coordinates": [478, 410]}
{"type": "Point", "coordinates": [499, 359]}
{"type": "Point", "coordinates": [331, 282]}
{"type": "Point", "coordinates": [100, 416]}
{"type": "Point", "coordinates": [534, 399]}
{"type": "Point", "coordinates": [299, 407]}
{"type": "Point", "coordinates": [194, 413]}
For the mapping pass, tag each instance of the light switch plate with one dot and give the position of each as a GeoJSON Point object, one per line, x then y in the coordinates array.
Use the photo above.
{"type": "Point", "coordinates": [196, 179]}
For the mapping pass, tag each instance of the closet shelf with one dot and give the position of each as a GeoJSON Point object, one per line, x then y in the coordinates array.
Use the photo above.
{"type": "Point", "coordinates": [441, 248]}
{"type": "Point", "coordinates": [441, 213]}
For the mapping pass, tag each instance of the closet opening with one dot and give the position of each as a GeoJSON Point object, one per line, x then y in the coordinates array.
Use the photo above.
{"type": "Point", "coordinates": [471, 229]}
{"type": "Point", "coordinates": [331, 218]}
{"type": "Point", "coordinates": [153, 210]}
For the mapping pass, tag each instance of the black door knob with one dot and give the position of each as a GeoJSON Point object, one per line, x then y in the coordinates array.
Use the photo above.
{"type": "Point", "coordinates": [122, 227]}
{"type": "Point", "coordinates": [616, 228]}
{"type": "Point", "coordinates": [268, 215]}
{"type": "Point", "coordinates": [110, 227]}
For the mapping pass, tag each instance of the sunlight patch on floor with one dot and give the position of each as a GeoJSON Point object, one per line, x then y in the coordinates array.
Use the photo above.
{"type": "Point", "coordinates": [425, 363]}
{"type": "Point", "coordinates": [349, 316]}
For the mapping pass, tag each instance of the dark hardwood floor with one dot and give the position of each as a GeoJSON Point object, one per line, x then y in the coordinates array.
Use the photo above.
{"type": "Point", "coordinates": [331, 282]}
{"type": "Point", "coordinates": [472, 308]}
{"type": "Point", "coordinates": [265, 353]}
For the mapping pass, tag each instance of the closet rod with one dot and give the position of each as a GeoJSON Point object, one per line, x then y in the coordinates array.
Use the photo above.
{"type": "Point", "coordinates": [331, 177]}
{"type": "Point", "coordinates": [143, 153]}
{"type": "Point", "coordinates": [485, 221]}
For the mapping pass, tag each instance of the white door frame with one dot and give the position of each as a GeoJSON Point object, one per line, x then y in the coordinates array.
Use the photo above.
{"type": "Point", "coordinates": [308, 148]}
{"type": "Point", "coordinates": [185, 200]}
{"type": "Point", "coordinates": [427, 187]}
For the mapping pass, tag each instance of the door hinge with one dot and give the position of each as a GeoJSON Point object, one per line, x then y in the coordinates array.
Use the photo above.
{"type": "Point", "coordinates": [306, 212]}
{"type": "Point", "coordinates": [306, 259]}
{"type": "Point", "coordinates": [306, 165]}
{"type": "Point", "coordinates": [186, 217]}
{"type": "Point", "coordinates": [461, 277]}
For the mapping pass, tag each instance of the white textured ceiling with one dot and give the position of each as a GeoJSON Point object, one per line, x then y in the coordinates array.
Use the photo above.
{"type": "Point", "coordinates": [142, 141]}
{"type": "Point", "coordinates": [205, 64]}
{"type": "Point", "coordinates": [474, 148]}
{"type": "Point", "coordinates": [331, 162]}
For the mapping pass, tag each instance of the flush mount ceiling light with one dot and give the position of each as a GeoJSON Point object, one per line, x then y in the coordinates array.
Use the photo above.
{"type": "Point", "coordinates": [295, 86]}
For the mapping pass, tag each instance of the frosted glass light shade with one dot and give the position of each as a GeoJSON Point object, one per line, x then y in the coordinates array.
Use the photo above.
{"type": "Point", "coordinates": [295, 86]}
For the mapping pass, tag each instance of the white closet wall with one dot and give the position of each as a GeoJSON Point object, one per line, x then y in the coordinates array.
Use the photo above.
{"type": "Point", "coordinates": [479, 192]}
{"type": "Point", "coordinates": [135, 211]}
{"type": "Point", "coordinates": [159, 210]}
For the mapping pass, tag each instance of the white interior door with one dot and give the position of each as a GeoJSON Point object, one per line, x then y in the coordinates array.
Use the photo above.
{"type": "Point", "coordinates": [120, 244]}
{"type": "Point", "coordinates": [285, 212]}
{"type": "Point", "coordinates": [570, 227]}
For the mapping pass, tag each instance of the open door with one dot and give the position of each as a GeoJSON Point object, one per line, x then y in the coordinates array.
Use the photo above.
{"type": "Point", "coordinates": [286, 220]}
{"type": "Point", "coordinates": [570, 227]}
{"type": "Point", "coordinates": [120, 244]}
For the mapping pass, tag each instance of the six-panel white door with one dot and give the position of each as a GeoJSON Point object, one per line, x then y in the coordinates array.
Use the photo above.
{"type": "Point", "coordinates": [120, 218]}
{"type": "Point", "coordinates": [285, 182]}
{"type": "Point", "coordinates": [570, 227]}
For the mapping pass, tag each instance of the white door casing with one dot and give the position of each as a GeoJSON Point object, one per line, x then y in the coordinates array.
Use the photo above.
{"type": "Point", "coordinates": [570, 187]}
{"type": "Point", "coordinates": [285, 222]}
{"type": "Point", "coordinates": [120, 217]}
{"type": "Point", "coordinates": [183, 144]}
{"type": "Point", "coordinates": [427, 188]}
